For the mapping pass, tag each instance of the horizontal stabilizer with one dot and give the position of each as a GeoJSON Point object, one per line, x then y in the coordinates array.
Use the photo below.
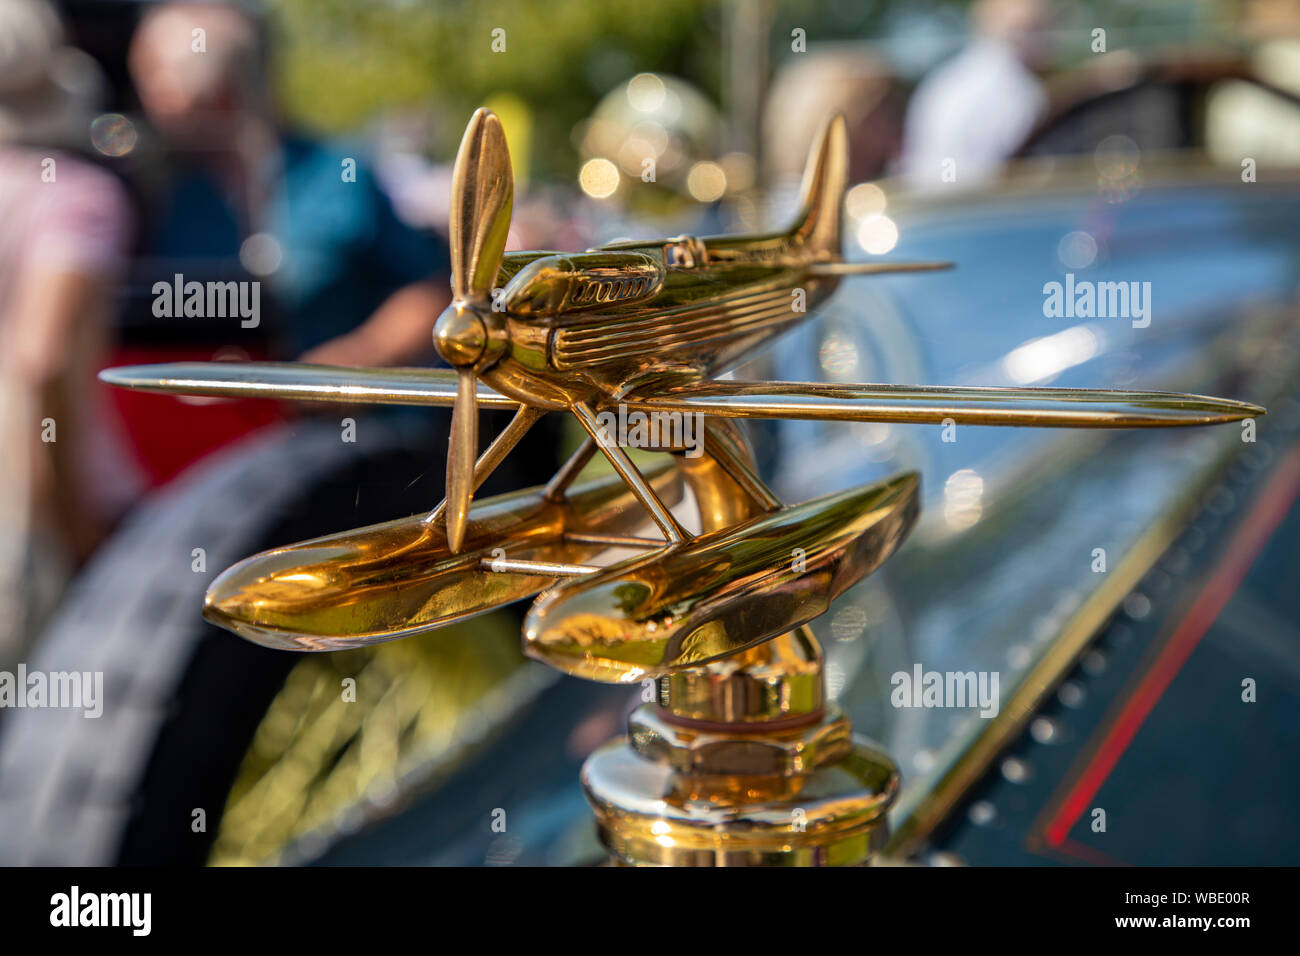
{"type": "Point", "coordinates": [874, 268]}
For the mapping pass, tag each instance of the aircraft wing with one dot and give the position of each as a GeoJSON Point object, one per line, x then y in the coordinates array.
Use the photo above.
{"type": "Point", "coordinates": [920, 404]}
{"type": "Point", "coordinates": [934, 404]}
{"type": "Point", "coordinates": [299, 382]}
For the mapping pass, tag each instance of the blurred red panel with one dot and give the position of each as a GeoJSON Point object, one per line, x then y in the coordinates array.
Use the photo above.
{"type": "Point", "coordinates": [168, 433]}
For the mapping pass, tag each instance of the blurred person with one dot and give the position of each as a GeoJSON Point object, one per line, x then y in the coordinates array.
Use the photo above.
{"type": "Point", "coordinates": [812, 86]}
{"type": "Point", "coordinates": [804, 93]}
{"type": "Point", "coordinates": [66, 227]}
{"type": "Point", "coordinates": [355, 285]}
{"type": "Point", "coordinates": [977, 108]}
{"type": "Point", "coordinates": [1244, 119]}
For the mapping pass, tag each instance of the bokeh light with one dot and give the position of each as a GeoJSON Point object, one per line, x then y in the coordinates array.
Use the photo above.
{"type": "Point", "coordinates": [113, 134]}
{"type": "Point", "coordinates": [963, 495]}
{"type": "Point", "coordinates": [706, 182]}
{"type": "Point", "coordinates": [598, 178]}
{"type": "Point", "coordinates": [261, 254]}
{"type": "Point", "coordinates": [1077, 250]}
{"type": "Point", "coordinates": [865, 200]}
{"type": "Point", "coordinates": [877, 235]}
{"type": "Point", "coordinates": [646, 92]}
{"type": "Point", "coordinates": [1043, 359]}
{"type": "Point", "coordinates": [1118, 177]}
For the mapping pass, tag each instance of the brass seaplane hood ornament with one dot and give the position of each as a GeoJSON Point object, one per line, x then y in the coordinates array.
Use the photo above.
{"type": "Point", "coordinates": [742, 760]}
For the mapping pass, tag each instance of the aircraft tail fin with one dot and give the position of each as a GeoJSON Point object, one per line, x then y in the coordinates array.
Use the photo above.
{"type": "Point", "coordinates": [821, 198]}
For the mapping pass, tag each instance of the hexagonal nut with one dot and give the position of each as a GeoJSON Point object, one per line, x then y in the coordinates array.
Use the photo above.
{"type": "Point", "coordinates": [708, 751]}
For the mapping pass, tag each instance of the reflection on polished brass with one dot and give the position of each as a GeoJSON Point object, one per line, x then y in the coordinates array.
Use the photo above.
{"type": "Point", "coordinates": [721, 592]}
{"type": "Point", "coordinates": [778, 682]}
{"type": "Point", "coordinates": [980, 749]}
{"type": "Point", "coordinates": [690, 747]}
{"type": "Point", "coordinates": [1096, 408]}
{"type": "Point", "coordinates": [400, 578]}
{"type": "Point", "coordinates": [300, 382]}
{"type": "Point", "coordinates": [742, 761]}
{"type": "Point", "coordinates": [832, 814]}
{"type": "Point", "coordinates": [321, 763]}
{"type": "Point", "coordinates": [932, 404]}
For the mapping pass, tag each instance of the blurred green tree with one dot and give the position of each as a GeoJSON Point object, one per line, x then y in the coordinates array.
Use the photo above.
{"type": "Point", "coordinates": [340, 62]}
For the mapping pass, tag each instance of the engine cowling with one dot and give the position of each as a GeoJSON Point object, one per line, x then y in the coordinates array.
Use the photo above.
{"type": "Point", "coordinates": [581, 282]}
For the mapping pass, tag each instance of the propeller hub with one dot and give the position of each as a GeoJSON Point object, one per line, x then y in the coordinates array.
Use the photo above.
{"type": "Point", "coordinates": [460, 335]}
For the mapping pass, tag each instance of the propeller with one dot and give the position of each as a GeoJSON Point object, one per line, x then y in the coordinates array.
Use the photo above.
{"type": "Point", "coordinates": [469, 335]}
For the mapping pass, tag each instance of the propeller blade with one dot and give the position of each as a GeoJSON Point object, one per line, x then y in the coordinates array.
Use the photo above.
{"type": "Point", "coordinates": [460, 458]}
{"type": "Point", "coordinates": [482, 190]}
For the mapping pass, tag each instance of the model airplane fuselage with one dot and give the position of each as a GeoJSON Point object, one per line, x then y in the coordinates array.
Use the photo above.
{"type": "Point", "coordinates": [592, 326]}
{"type": "Point", "coordinates": [608, 318]}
